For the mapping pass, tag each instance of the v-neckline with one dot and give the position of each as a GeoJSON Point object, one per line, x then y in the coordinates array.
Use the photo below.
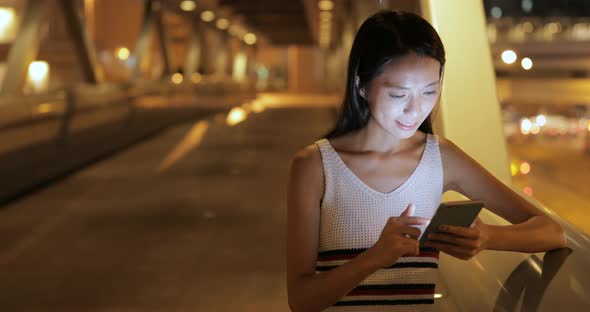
{"type": "Point", "coordinates": [366, 186]}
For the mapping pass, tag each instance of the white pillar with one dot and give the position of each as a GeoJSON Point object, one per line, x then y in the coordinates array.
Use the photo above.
{"type": "Point", "coordinates": [469, 112]}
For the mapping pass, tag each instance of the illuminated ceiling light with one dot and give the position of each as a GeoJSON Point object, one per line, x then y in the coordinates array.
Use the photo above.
{"type": "Point", "coordinates": [326, 5]}
{"type": "Point", "coordinates": [509, 56]}
{"type": "Point", "coordinates": [6, 23]}
{"type": "Point", "coordinates": [188, 5]}
{"type": "Point", "coordinates": [526, 63]}
{"type": "Point", "coordinates": [207, 16]}
{"type": "Point", "coordinates": [177, 78]}
{"type": "Point", "coordinates": [496, 12]}
{"type": "Point", "coordinates": [122, 53]}
{"type": "Point", "coordinates": [438, 296]}
{"type": "Point", "coordinates": [325, 15]}
{"type": "Point", "coordinates": [250, 38]}
{"type": "Point", "coordinates": [38, 70]}
{"type": "Point", "coordinates": [527, 5]}
{"type": "Point", "coordinates": [222, 23]}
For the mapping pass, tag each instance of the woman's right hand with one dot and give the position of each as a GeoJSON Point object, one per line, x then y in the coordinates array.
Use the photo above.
{"type": "Point", "coordinates": [398, 238]}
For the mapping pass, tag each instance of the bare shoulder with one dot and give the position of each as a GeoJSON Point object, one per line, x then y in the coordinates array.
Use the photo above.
{"type": "Point", "coordinates": [308, 158]}
{"type": "Point", "coordinates": [307, 170]}
{"type": "Point", "coordinates": [306, 180]}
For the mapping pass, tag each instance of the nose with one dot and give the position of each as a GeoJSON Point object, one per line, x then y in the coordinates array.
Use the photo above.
{"type": "Point", "coordinates": [412, 108]}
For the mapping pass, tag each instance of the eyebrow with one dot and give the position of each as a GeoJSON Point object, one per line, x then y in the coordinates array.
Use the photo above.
{"type": "Point", "coordinates": [390, 85]}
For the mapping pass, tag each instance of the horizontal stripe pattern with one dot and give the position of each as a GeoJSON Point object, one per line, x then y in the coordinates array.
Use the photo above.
{"type": "Point", "coordinates": [347, 254]}
{"type": "Point", "coordinates": [384, 302]}
{"type": "Point", "coordinates": [392, 290]}
{"type": "Point", "coordinates": [407, 283]}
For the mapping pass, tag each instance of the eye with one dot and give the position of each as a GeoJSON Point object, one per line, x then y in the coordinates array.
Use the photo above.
{"type": "Point", "coordinates": [430, 92]}
{"type": "Point", "coordinates": [397, 96]}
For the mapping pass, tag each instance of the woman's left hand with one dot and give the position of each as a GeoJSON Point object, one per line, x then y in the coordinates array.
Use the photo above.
{"type": "Point", "coordinates": [460, 242]}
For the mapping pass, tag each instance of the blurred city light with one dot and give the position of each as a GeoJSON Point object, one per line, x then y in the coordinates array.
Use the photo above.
{"type": "Point", "coordinates": [122, 53]}
{"type": "Point", "coordinates": [525, 168]}
{"type": "Point", "coordinates": [509, 56]}
{"type": "Point", "coordinates": [527, 5]}
{"type": "Point", "coordinates": [541, 120]}
{"type": "Point", "coordinates": [526, 63]}
{"type": "Point", "coordinates": [525, 126]}
{"type": "Point", "coordinates": [513, 168]}
{"type": "Point", "coordinates": [39, 75]}
{"type": "Point", "coordinates": [44, 108]}
{"type": "Point", "coordinates": [496, 12]}
{"type": "Point", "coordinates": [188, 5]}
{"type": "Point", "coordinates": [528, 190]}
{"type": "Point", "coordinates": [326, 5]}
{"type": "Point", "coordinates": [250, 38]}
{"type": "Point", "coordinates": [235, 116]}
{"type": "Point", "coordinates": [207, 16]}
{"type": "Point", "coordinates": [177, 78]}
{"type": "Point", "coordinates": [239, 66]}
{"type": "Point", "coordinates": [222, 23]}
{"type": "Point", "coordinates": [7, 30]}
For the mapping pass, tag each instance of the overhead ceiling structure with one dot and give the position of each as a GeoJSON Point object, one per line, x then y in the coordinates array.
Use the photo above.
{"type": "Point", "coordinates": [282, 21]}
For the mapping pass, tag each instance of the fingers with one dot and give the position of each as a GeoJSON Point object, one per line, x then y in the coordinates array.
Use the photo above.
{"type": "Point", "coordinates": [455, 251]}
{"type": "Point", "coordinates": [409, 211]}
{"type": "Point", "coordinates": [455, 240]}
{"type": "Point", "coordinates": [471, 233]}
{"type": "Point", "coordinates": [409, 231]}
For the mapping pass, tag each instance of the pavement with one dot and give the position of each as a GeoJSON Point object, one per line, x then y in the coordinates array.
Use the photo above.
{"type": "Point", "coordinates": [191, 220]}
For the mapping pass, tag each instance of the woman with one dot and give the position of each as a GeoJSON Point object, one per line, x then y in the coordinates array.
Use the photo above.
{"type": "Point", "coordinates": [359, 199]}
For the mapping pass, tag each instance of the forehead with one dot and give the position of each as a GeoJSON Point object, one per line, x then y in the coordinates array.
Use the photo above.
{"type": "Point", "coordinates": [411, 69]}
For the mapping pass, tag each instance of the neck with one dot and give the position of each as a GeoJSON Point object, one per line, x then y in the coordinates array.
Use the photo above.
{"type": "Point", "coordinates": [374, 138]}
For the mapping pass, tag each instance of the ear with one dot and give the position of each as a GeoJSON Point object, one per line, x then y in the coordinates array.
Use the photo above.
{"type": "Point", "coordinates": [361, 90]}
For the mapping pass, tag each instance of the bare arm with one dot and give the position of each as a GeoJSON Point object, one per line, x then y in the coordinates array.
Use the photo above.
{"type": "Point", "coordinates": [307, 290]}
{"type": "Point", "coordinates": [532, 230]}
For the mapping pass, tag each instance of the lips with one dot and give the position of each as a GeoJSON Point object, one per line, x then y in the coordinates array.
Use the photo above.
{"type": "Point", "coordinates": [406, 126]}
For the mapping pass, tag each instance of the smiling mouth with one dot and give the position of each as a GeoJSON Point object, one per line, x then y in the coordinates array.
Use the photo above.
{"type": "Point", "coordinates": [406, 126]}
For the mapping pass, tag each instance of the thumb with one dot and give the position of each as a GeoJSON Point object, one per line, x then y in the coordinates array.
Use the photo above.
{"type": "Point", "coordinates": [409, 212]}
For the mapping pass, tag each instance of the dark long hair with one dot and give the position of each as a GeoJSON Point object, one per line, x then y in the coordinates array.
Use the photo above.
{"type": "Point", "coordinates": [381, 38]}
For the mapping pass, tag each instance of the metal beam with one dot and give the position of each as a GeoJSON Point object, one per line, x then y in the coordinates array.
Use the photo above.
{"type": "Point", "coordinates": [83, 45]}
{"type": "Point", "coordinates": [164, 46]}
{"type": "Point", "coordinates": [193, 55]}
{"type": "Point", "coordinates": [142, 45]}
{"type": "Point", "coordinates": [24, 48]}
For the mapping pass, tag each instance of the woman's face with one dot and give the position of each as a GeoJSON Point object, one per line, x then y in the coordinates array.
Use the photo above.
{"type": "Point", "coordinates": [403, 95]}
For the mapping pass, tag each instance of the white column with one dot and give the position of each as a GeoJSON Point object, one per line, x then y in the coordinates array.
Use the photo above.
{"type": "Point", "coordinates": [469, 112]}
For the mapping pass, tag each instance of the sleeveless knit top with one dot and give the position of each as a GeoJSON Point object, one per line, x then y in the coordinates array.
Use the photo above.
{"type": "Point", "coordinates": [351, 220]}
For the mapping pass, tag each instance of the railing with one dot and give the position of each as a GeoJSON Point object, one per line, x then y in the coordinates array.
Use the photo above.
{"type": "Point", "coordinates": [509, 281]}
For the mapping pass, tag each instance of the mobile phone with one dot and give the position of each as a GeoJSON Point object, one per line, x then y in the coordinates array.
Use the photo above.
{"type": "Point", "coordinates": [457, 213]}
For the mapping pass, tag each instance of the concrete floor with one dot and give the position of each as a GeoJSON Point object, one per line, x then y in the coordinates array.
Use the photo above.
{"type": "Point", "coordinates": [205, 234]}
